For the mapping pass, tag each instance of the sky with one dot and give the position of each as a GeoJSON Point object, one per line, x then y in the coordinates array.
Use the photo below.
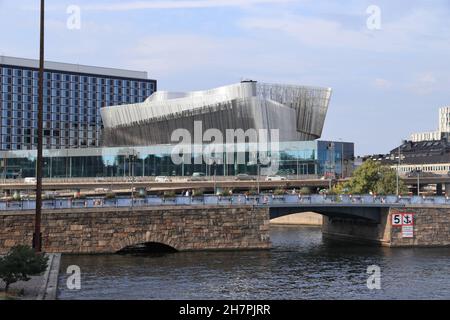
{"type": "Point", "coordinates": [387, 62]}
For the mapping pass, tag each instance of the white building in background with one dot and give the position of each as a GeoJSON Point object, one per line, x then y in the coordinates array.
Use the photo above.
{"type": "Point", "coordinates": [298, 112]}
{"type": "Point", "coordinates": [443, 132]}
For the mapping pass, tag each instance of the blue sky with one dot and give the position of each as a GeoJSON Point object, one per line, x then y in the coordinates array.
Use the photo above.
{"type": "Point", "coordinates": [386, 83]}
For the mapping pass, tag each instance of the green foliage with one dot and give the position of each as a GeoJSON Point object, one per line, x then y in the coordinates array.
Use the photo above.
{"type": "Point", "coordinates": [279, 192]}
{"type": "Point", "coordinates": [169, 194]}
{"type": "Point", "coordinates": [305, 191]}
{"type": "Point", "coordinates": [198, 192]}
{"type": "Point", "coordinates": [226, 192]}
{"type": "Point", "coordinates": [142, 193]}
{"type": "Point", "coordinates": [16, 196]}
{"type": "Point", "coordinates": [20, 263]}
{"type": "Point", "coordinates": [110, 195]}
{"type": "Point", "coordinates": [371, 177]}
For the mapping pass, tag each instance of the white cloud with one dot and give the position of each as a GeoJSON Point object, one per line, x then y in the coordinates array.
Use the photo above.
{"type": "Point", "coordinates": [382, 83]}
{"type": "Point", "coordinates": [424, 84]}
{"type": "Point", "coordinates": [416, 30]}
{"type": "Point", "coordinates": [172, 4]}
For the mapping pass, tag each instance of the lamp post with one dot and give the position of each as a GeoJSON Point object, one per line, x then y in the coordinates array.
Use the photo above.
{"type": "Point", "coordinates": [418, 181]}
{"type": "Point", "coordinates": [37, 243]}
{"type": "Point", "coordinates": [398, 169]}
{"type": "Point", "coordinates": [258, 165]}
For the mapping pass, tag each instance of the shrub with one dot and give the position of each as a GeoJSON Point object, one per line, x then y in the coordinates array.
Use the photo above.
{"type": "Point", "coordinates": [305, 191]}
{"type": "Point", "coordinates": [142, 193]}
{"type": "Point", "coordinates": [169, 194]}
{"type": "Point", "coordinates": [226, 192]}
{"type": "Point", "coordinates": [198, 192]}
{"type": "Point", "coordinates": [20, 263]}
{"type": "Point", "coordinates": [110, 195]}
{"type": "Point", "coordinates": [279, 192]}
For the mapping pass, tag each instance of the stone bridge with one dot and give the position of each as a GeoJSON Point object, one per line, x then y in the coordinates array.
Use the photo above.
{"type": "Point", "coordinates": [233, 226]}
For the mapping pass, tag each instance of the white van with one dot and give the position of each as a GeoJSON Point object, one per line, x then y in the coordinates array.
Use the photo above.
{"type": "Point", "coordinates": [30, 180]}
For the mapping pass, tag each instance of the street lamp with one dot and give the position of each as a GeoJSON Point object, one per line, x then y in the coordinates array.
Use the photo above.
{"type": "Point", "coordinates": [418, 181]}
{"type": "Point", "coordinates": [37, 242]}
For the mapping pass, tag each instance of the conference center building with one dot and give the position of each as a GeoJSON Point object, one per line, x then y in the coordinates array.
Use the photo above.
{"type": "Point", "coordinates": [138, 138]}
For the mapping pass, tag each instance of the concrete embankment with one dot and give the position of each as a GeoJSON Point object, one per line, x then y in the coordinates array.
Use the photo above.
{"type": "Point", "coordinates": [304, 218]}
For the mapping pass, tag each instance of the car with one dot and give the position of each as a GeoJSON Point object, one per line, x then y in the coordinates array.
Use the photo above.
{"type": "Point", "coordinates": [197, 176]}
{"type": "Point", "coordinates": [275, 178]}
{"type": "Point", "coordinates": [162, 179]}
{"type": "Point", "coordinates": [30, 180]}
{"type": "Point", "coordinates": [243, 177]}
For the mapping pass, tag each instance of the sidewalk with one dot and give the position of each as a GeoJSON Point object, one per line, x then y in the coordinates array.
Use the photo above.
{"type": "Point", "coordinates": [43, 287]}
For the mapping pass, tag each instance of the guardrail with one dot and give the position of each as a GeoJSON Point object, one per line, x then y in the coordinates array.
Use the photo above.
{"type": "Point", "coordinates": [237, 200]}
{"type": "Point", "coordinates": [130, 179]}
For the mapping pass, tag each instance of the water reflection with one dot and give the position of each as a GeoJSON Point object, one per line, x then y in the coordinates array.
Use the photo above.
{"type": "Point", "coordinates": [299, 266]}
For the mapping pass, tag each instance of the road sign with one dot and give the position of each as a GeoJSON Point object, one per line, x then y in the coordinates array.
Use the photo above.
{"type": "Point", "coordinates": [397, 219]}
{"type": "Point", "coordinates": [402, 219]}
{"type": "Point", "coordinates": [408, 219]}
{"type": "Point", "coordinates": [408, 231]}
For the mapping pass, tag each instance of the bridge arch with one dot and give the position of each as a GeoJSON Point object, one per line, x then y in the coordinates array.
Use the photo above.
{"type": "Point", "coordinates": [143, 238]}
{"type": "Point", "coordinates": [370, 214]}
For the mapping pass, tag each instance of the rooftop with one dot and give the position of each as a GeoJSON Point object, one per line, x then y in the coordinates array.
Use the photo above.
{"type": "Point", "coordinates": [75, 68]}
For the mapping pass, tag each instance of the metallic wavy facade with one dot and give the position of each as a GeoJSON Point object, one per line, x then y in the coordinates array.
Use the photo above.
{"type": "Point", "coordinates": [297, 111]}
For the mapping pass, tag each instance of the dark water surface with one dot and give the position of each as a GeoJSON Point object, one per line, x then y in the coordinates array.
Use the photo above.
{"type": "Point", "coordinates": [300, 265]}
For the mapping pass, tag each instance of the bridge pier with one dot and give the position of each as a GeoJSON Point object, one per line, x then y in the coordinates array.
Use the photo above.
{"type": "Point", "coordinates": [431, 228]}
{"type": "Point", "coordinates": [358, 230]}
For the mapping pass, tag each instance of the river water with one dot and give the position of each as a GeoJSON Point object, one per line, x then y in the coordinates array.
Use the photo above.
{"type": "Point", "coordinates": [300, 265]}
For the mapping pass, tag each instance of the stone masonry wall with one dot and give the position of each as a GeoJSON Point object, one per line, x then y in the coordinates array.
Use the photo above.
{"type": "Point", "coordinates": [431, 227]}
{"type": "Point", "coordinates": [108, 230]}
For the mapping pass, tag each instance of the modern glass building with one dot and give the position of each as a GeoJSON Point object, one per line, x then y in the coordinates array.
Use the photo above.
{"type": "Point", "coordinates": [296, 112]}
{"type": "Point", "coordinates": [301, 158]}
{"type": "Point", "coordinates": [73, 97]}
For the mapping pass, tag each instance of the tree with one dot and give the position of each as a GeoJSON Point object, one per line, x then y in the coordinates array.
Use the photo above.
{"type": "Point", "coordinates": [20, 263]}
{"type": "Point", "coordinates": [372, 177]}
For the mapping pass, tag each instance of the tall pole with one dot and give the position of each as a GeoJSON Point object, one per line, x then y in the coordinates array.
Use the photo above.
{"type": "Point", "coordinates": [342, 160]}
{"type": "Point", "coordinates": [398, 171]}
{"type": "Point", "coordinates": [37, 243]}
{"type": "Point", "coordinates": [258, 169]}
{"type": "Point", "coordinates": [418, 182]}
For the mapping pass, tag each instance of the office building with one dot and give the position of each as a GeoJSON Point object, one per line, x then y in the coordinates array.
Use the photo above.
{"type": "Point", "coordinates": [442, 132]}
{"type": "Point", "coordinates": [73, 97]}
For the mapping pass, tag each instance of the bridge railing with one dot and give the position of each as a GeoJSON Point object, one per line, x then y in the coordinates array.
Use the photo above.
{"type": "Point", "coordinates": [258, 200]}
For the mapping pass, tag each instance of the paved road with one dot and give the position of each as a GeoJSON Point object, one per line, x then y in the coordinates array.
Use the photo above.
{"type": "Point", "coordinates": [172, 185]}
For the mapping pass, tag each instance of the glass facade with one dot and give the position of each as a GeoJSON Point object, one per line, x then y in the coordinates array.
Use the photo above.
{"type": "Point", "coordinates": [300, 158]}
{"type": "Point", "coordinates": [72, 103]}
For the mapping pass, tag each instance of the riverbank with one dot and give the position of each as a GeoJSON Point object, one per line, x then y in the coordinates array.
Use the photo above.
{"type": "Point", "coordinates": [304, 218]}
{"type": "Point", "coordinates": [42, 287]}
